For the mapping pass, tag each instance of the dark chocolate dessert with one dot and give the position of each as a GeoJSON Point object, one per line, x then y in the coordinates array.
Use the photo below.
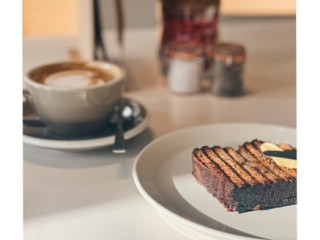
{"type": "Point", "coordinates": [245, 179]}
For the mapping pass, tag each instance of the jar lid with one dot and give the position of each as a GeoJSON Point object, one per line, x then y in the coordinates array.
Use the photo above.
{"type": "Point", "coordinates": [186, 50]}
{"type": "Point", "coordinates": [228, 52]}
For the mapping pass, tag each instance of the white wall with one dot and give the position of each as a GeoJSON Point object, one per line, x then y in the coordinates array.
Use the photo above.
{"type": "Point", "coordinates": [138, 13]}
{"type": "Point", "coordinates": [141, 13]}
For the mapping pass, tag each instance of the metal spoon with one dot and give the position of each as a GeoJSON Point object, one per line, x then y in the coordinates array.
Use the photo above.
{"type": "Point", "coordinates": [123, 113]}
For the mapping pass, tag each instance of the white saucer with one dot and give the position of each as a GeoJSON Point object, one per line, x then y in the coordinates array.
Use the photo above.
{"type": "Point", "coordinates": [40, 136]}
{"type": "Point", "coordinates": [162, 174]}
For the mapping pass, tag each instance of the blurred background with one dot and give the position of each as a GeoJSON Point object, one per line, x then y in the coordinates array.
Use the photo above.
{"type": "Point", "coordinates": [40, 17]}
{"type": "Point", "coordinates": [56, 30]}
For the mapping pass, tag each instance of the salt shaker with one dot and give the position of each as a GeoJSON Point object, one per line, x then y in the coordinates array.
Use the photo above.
{"type": "Point", "coordinates": [228, 62]}
{"type": "Point", "coordinates": [185, 67]}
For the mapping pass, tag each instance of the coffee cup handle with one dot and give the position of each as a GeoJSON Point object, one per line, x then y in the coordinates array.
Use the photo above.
{"type": "Point", "coordinates": [27, 109]}
{"type": "Point", "coordinates": [27, 96]}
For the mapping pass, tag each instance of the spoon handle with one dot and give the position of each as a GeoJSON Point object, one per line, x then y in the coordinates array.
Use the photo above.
{"type": "Point", "coordinates": [119, 144]}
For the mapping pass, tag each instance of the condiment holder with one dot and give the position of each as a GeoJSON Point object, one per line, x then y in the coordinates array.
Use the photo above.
{"type": "Point", "coordinates": [227, 69]}
{"type": "Point", "coordinates": [185, 67]}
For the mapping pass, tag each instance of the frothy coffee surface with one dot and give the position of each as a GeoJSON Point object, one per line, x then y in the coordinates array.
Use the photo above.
{"type": "Point", "coordinates": [71, 75]}
{"type": "Point", "coordinates": [73, 79]}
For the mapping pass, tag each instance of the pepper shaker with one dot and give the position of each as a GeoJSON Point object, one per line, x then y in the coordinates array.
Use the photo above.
{"type": "Point", "coordinates": [227, 69]}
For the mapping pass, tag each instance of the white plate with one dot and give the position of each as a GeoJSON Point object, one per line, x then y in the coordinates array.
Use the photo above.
{"type": "Point", "coordinates": [162, 174]}
{"type": "Point", "coordinates": [185, 230]}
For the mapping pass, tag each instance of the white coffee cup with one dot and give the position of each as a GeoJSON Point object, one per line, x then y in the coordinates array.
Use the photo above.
{"type": "Point", "coordinates": [75, 110]}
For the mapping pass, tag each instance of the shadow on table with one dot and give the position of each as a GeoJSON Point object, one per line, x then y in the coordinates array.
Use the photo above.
{"type": "Point", "coordinates": [87, 159]}
{"type": "Point", "coordinates": [167, 194]}
{"type": "Point", "coordinates": [62, 181]}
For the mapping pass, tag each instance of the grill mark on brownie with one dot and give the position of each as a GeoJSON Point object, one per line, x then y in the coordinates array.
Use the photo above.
{"type": "Point", "coordinates": [224, 167]}
{"type": "Point", "coordinates": [281, 172]}
{"type": "Point", "coordinates": [260, 167]}
{"type": "Point", "coordinates": [237, 168]}
{"type": "Point", "coordinates": [265, 161]}
{"type": "Point", "coordinates": [254, 173]}
{"type": "Point", "coordinates": [212, 166]}
{"type": "Point", "coordinates": [245, 166]}
{"type": "Point", "coordinates": [286, 147]}
{"type": "Point", "coordinates": [228, 163]}
{"type": "Point", "coordinates": [194, 157]}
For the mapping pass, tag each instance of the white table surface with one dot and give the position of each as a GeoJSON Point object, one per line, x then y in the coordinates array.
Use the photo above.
{"type": "Point", "coordinates": [91, 195]}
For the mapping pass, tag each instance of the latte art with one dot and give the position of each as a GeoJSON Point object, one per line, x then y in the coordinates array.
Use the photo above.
{"type": "Point", "coordinates": [71, 75]}
{"type": "Point", "coordinates": [74, 79]}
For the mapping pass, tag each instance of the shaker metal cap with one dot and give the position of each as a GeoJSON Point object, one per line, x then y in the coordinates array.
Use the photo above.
{"type": "Point", "coordinates": [228, 52]}
{"type": "Point", "coordinates": [186, 50]}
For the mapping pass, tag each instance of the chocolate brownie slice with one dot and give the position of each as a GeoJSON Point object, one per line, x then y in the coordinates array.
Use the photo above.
{"type": "Point", "coordinates": [246, 179]}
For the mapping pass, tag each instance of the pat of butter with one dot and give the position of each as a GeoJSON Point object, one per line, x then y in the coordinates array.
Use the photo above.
{"type": "Point", "coordinates": [284, 162]}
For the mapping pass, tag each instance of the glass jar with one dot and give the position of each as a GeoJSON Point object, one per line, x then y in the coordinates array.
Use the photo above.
{"type": "Point", "coordinates": [185, 67]}
{"type": "Point", "coordinates": [188, 21]}
{"type": "Point", "coordinates": [227, 69]}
